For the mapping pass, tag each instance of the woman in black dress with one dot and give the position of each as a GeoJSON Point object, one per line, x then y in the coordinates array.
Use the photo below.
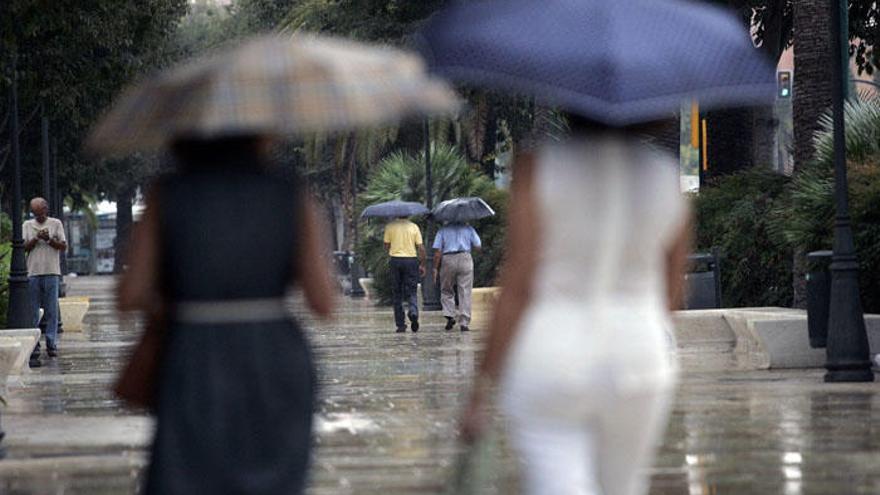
{"type": "Point", "coordinates": [220, 243]}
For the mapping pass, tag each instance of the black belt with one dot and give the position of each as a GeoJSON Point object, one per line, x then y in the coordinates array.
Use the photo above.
{"type": "Point", "coordinates": [455, 252]}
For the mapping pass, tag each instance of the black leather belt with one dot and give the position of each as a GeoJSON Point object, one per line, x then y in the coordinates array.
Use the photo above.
{"type": "Point", "coordinates": [455, 252]}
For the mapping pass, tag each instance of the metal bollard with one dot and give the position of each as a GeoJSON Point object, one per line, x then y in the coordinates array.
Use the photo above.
{"type": "Point", "coordinates": [818, 297]}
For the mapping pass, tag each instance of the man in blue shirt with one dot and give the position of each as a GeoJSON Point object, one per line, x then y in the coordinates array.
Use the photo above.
{"type": "Point", "coordinates": [454, 267]}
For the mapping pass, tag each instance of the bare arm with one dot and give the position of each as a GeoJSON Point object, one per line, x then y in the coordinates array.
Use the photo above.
{"type": "Point", "coordinates": [517, 273]}
{"type": "Point", "coordinates": [438, 256]}
{"type": "Point", "coordinates": [139, 287]}
{"type": "Point", "coordinates": [58, 244]}
{"type": "Point", "coordinates": [311, 265]}
{"type": "Point", "coordinates": [517, 276]}
{"type": "Point", "coordinates": [676, 263]}
{"type": "Point", "coordinates": [31, 244]}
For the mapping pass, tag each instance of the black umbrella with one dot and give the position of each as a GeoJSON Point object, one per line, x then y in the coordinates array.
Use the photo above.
{"type": "Point", "coordinates": [395, 208]}
{"type": "Point", "coordinates": [462, 210]}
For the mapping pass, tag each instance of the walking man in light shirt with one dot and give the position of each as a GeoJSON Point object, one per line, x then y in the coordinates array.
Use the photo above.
{"type": "Point", "coordinates": [44, 239]}
{"type": "Point", "coordinates": [454, 267]}
{"type": "Point", "coordinates": [403, 242]}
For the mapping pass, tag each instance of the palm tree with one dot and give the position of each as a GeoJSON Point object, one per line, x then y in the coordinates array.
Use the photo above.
{"type": "Point", "coordinates": [813, 72]}
{"type": "Point", "coordinates": [812, 98]}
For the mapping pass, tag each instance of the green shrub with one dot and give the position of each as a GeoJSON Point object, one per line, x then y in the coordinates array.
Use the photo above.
{"type": "Point", "coordinates": [734, 213]}
{"type": "Point", "coordinates": [402, 176]}
{"type": "Point", "coordinates": [807, 219]}
{"type": "Point", "coordinates": [5, 259]}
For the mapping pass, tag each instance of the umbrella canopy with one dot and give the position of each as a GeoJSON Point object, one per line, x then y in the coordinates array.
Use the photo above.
{"type": "Point", "coordinates": [618, 62]}
{"type": "Point", "coordinates": [462, 210]}
{"type": "Point", "coordinates": [395, 208]}
{"type": "Point", "coordinates": [272, 86]}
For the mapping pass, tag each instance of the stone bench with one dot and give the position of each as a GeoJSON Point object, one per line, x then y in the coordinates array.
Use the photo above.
{"type": "Point", "coordinates": [27, 339]}
{"type": "Point", "coordinates": [73, 311]}
{"type": "Point", "coordinates": [10, 350]}
{"type": "Point", "coordinates": [483, 300]}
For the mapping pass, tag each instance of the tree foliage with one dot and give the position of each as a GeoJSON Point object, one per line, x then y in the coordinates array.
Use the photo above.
{"type": "Point", "coordinates": [71, 58]}
{"type": "Point", "coordinates": [734, 215]}
{"type": "Point", "coordinates": [772, 24]}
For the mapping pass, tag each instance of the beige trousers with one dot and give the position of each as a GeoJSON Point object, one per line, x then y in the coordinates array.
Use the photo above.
{"type": "Point", "coordinates": [457, 270]}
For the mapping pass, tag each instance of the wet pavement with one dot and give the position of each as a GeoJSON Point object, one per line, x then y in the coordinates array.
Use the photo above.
{"type": "Point", "coordinates": [389, 405]}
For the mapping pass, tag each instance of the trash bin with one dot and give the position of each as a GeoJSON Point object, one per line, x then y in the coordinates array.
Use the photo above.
{"type": "Point", "coordinates": [818, 297]}
{"type": "Point", "coordinates": [342, 260]}
{"type": "Point", "coordinates": [703, 281]}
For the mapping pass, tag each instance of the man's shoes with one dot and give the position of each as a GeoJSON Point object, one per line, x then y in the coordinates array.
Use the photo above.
{"type": "Point", "coordinates": [464, 328]}
{"type": "Point", "coordinates": [450, 322]}
{"type": "Point", "coordinates": [414, 323]}
{"type": "Point", "coordinates": [401, 329]}
{"type": "Point", "coordinates": [52, 351]}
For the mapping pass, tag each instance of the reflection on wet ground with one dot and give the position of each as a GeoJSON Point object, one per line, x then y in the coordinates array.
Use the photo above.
{"type": "Point", "coordinates": [389, 407]}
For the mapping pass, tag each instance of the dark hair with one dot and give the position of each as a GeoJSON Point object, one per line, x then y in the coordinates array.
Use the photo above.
{"type": "Point", "coordinates": [194, 153]}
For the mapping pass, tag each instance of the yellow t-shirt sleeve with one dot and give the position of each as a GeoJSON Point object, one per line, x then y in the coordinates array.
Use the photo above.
{"type": "Point", "coordinates": [417, 235]}
{"type": "Point", "coordinates": [387, 234]}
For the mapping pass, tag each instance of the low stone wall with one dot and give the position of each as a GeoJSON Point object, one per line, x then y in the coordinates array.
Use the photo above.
{"type": "Point", "coordinates": [761, 338]}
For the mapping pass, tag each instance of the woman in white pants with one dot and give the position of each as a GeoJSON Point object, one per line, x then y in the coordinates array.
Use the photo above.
{"type": "Point", "coordinates": [579, 342]}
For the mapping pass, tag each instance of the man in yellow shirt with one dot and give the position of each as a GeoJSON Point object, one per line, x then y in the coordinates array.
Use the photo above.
{"type": "Point", "coordinates": [403, 242]}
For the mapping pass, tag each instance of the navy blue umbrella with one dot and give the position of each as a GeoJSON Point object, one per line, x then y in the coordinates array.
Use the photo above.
{"type": "Point", "coordinates": [395, 208]}
{"type": "Point", "coordinates": [618, 62]}
{"type": "Point", "coordinates": [462, 210]}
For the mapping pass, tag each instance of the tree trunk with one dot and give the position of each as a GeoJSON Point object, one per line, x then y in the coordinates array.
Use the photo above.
{"type": "Point", "coordinates": [812, 98]}
{"type": "Point", "coordinates": [490, 143]}
{"type": "Point", "coordinates": [813, 72]}
{"type": "Point", "coordinates": [667, 136]}
{"type": "Point", "coordinates": [124, 199]}
{"type": "Point", "coordinates": [410, 136]}
{"type": "Point", "coordinates": [740, 138]}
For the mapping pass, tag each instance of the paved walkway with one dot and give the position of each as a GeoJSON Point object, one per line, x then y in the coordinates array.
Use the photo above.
{"type": "Point", "coordinates": [389, 404]}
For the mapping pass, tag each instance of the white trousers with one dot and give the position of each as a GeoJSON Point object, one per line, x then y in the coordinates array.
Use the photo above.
{"type": "Point", "coordinates": [603, 453]}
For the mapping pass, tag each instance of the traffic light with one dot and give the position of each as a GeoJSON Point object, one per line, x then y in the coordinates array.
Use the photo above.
{"type": "Point", "coordinates": [783, 84]}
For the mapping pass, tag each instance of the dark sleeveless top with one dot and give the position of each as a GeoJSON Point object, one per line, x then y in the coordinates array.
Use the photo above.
{"type": "Point", "coordinates": [228, 235]}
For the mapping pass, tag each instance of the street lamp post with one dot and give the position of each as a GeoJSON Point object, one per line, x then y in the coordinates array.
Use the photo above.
{"type": "Point", "coordinates": [354, 268]}
{"type": "Point", "coordinates": [57, 203]}
{"type": "Point", "coordinates": [47, 173]}
{"type": "Point", "coordinates": [430, 298]}
{"type": "Point", "coordinates": [19, 313]}
{"type": "Point", "coordinates": [847, 356]}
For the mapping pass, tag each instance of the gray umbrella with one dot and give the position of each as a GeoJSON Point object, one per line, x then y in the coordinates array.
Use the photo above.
{"type": "Point", "coordinates": [619, 62]}
{"type": "Point", "coordinates": [462, 210]}
{"type": "Point", "coordinates": [395, 208]}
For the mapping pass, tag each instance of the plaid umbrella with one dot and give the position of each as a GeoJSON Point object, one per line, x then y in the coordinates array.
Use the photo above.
{"type": "Point", "coordinates": [272, 86]}
{"type": "Point", "coordinates": [619, 62]}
